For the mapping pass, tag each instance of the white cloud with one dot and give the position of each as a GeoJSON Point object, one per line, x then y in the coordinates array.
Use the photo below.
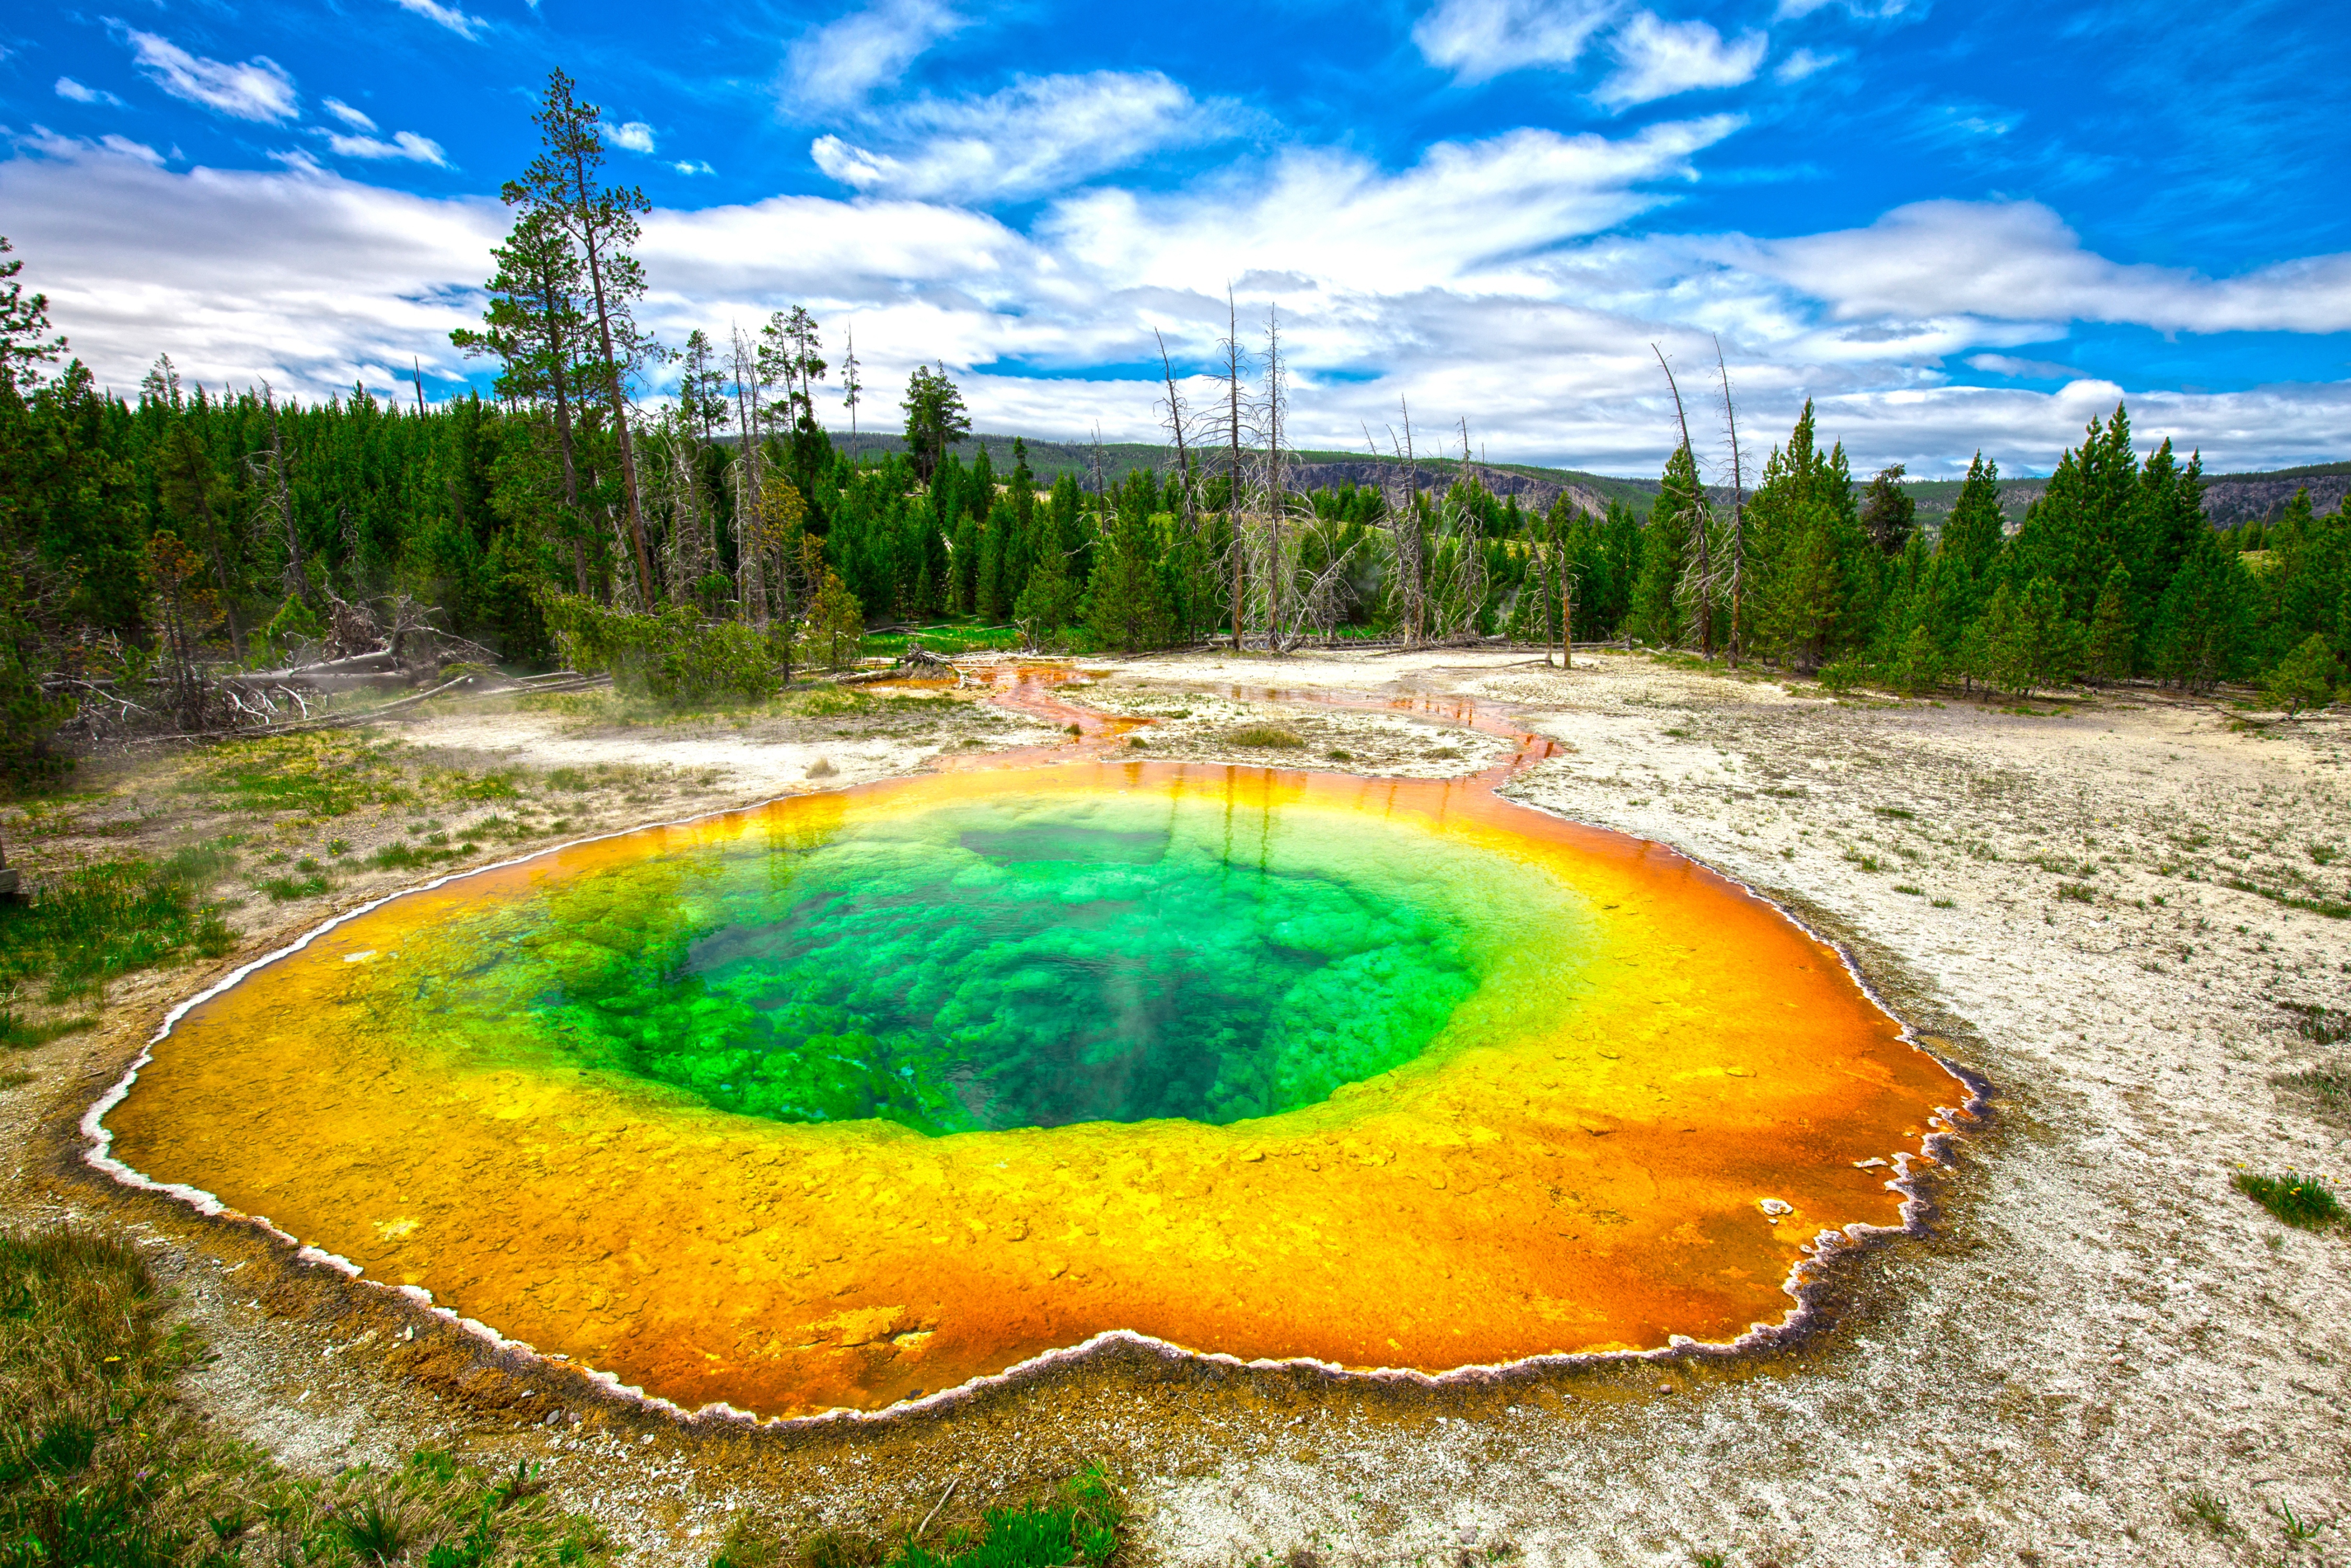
{"type": "Point", "coordinates": [2009, 261]}
{"type": "Point", "coordinates": [1480, 39]}
{"type": "Point", "coordinates": [449, 16]}
{"type": "Point", "coordinates": [50, 145]}
{"type": "Point", "coordinates": [351, 117]}
{"type": "Point", "coordinates": [1658, 59]}
{"type": "Point", "coordinates": [258, 88]}
{"type": "Point", "coordinates": [74, 91]}
{"type": "Point", "coordinates": [694, 166]}
{"type": "Point", "coordinates": [840, 62]}
{"type": "Point", "coordinates": [405, 144]}
{"type": "Point", "coordinates": [1041, 134]}
{"type": "Point", "coordinates": [2009, 365]}
{"type": "Point", "coordinates": [1456, 219]}
{"type": "Point", "coordinates": [301, 277]}
{"type": "Point", "coordinates": [1492, 279]}
{"type": "Point", "coordinates": [636, 136]}
{"type": "Point", "coordinates": [1805, 62]}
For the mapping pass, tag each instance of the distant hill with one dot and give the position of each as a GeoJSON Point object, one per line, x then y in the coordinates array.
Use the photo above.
{"type": "Point", "coordinates": [1535, 487]}
{"type": "Point", "coordinates": [2229, 498]}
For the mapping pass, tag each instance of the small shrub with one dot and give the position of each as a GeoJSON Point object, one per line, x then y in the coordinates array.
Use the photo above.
{"type": "Point", "coordinates": [1913, 892]}
{"type": "Point", "coordinates": [1339, 756]}
{"type": "Point", "coordinates": [2298, 1200]}
{"type": "Point", "coordinates": [1267, 736]}
{"type": "Point", "coordinates": [674, 656]}
{"type": "Point", "coordinates": [2077, 893]}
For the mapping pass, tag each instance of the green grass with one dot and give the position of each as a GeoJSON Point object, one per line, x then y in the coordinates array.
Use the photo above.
{"type": "Point", "coordinates": [1078, 1525]}
{"type": "Point", "coordinates": [2077, 893]}
{"type": "Point", "coordinates": [102, 920]}
{"type": "Point", "coordinates": [102, 1463]}
{"type": "Point", "coordinates": [2331, 908]}
{"type": "Point", "coordinates": [1913, 892]}
{"type": "Point", "coordinates": [325, 775]}
{"type": "Point", "coordinates": [1266, 736]}
{"type": "Point", "coordinates": [1898, 814]}
{"type": "Point", "coordinates": [2298, 1200]}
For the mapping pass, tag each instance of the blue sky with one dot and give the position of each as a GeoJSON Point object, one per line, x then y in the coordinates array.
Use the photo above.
{"type": "Point", "coordinates": [1954, 226]}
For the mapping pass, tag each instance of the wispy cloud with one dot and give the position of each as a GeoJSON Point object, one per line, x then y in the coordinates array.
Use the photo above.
{"type": "Point", "coordinates": [48, 142]}
{"type": "Point", "coordinates": [636, 136]}
{"type": "Point", "coordinates": [839, 63]}
{"type": "Point", "coordinates": [258, 90]}
{"type": "Point", "coordinates": [2032, 369]}
{"type": "Point", "coordinates": [694, 166]}
{"type": "Point", "coordinates": [355, 118]}
{"type": "Point", "coordinates": [2019, 261]}
{"type": "Point", "coordinates": [404, 144]}
{"type": "Point", "coordinates": [1658, 58]}
{"type": "Point", "coordinates": [458, 22]}
{"type": "Point", "coordinates": [1040, 135]}
{"type": "Point", "coordinates": [73, 92]}
{"type": "Point", "coordinates": [1479, 39]}
{"type": "Point", "coordinates": [1805, 62]}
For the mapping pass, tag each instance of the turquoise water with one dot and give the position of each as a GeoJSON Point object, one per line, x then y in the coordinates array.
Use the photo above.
{"type": "Point", "coordinates": [1032, 962]}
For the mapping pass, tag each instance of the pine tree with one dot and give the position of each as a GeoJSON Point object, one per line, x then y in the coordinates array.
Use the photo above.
{"type": "Point", "coordinates": [1888, 512]}
{"type": "Point", "coordinates": [2113, 635]}
{"type": "Point", "coordinates": [935, 418]}
{"type": "Point", "coordinates": [835, 624]}
{"type": "Point", "coordinates": [561, 185]}
{"type": "Point", "coordinates": [1657, 602]}
{"type": "Point", "coordinates": [2305, 679]}
{"type": "Point", "coordinates": [2203, 622]}
{"type": "Point", "coordinates": [1801, 610]}
{"type": "Point", "coordinates": [1049, 600]}
{"type": "Point", "coordinates": [1126, 603]}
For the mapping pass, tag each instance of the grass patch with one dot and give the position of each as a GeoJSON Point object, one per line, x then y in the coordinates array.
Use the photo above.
{"type": "Point", "coordinates": [830, 702]}
{"type": "Point", "coordinates": [2077, 893]}
{"type": "Point", "coordinates": [1899, 813]}
{"type": "Point", "coordinates": [1913, 892]}
{"type": "Point", "coordinates": [407, 857]}
{"type": "Point", "coordinates": [2298, 1200]}
{"type": "Point", "coordinates": [16, 1034]}
{"type": "Point", "coordinates": [1270, 736]}
{"type": "Point", "coordinates": [2318, 1024]}
{"type": "Point", "coordinates": [1941, 903]}
{"type": "Point", "coordinates": [2330, 1086]}
{"type": "Point", "coordinates": [327, 775]}
{"type": "Point", "coordinates": [287, 889]}
{"type": "Point", "coordinates": [1078, 1525]}
{"type": "Point", "coordinates": [1339, 756]}
{"type": "Point", "coordinates": [102, 1463]}
{"type": "Point", "coordinates": [2326, 906]}
{"type": "Point", "coordinates": [103, 920]}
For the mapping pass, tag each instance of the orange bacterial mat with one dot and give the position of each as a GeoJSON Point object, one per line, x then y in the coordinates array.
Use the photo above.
{"type": "Point", "coordinates": [1528, 1087]}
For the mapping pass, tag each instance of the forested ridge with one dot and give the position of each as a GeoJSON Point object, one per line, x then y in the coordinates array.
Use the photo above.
{"type": "Point", "coordinates": [724, 539]}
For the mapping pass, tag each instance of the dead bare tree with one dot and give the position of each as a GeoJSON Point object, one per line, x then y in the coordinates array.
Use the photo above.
{"type": "Point", "coordinates": [1233, 512]}
{"type": "Point", "coordinates": [749, 599]}
{"type": "Point", "coordinates": [1737, 510]}
{"type": "Point", "coordinates": [1184, 479]}
{"type": "Point", "coordinates": [1698, 584]}
{"type": "Point", "coordinates": [278, 500]}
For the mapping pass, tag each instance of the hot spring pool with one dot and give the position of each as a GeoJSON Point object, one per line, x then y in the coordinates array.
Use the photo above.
{"type": "Point", "coordinates": [860, 1095]}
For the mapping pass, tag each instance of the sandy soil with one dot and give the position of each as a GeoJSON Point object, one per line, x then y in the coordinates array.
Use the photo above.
{"type": "Point", "coordinates": [2101, 1354]}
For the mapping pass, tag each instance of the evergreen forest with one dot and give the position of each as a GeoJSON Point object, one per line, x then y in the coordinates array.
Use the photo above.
{"type": "Point", "coordinates": [723, 537]}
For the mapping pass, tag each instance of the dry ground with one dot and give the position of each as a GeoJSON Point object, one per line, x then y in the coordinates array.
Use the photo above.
{"type": "Point", "coordinates": [2102, 1353]}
